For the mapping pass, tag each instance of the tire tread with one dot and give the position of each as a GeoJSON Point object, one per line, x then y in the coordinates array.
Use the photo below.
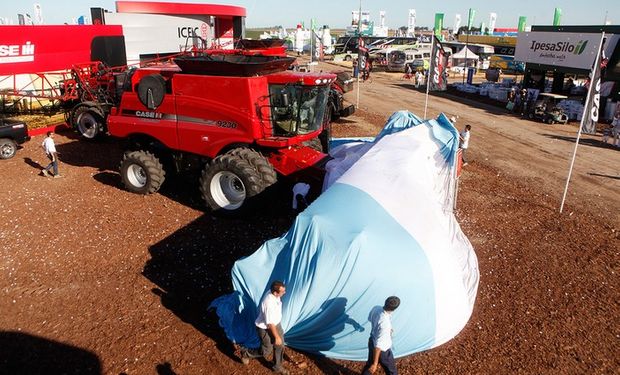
{"type": "Point", "coordinates": [154, 169]}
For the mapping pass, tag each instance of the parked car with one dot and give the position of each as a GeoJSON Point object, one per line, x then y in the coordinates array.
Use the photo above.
{"type": "Point", "coordinates": [12, 133]}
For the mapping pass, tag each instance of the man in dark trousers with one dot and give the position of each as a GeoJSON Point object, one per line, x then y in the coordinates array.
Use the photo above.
{"type": "Point", "coordinates": [49, 147]}
{"type": "Point", "coordinates": [380, 341]}
{"type": "Point", "coordinates": [269, 329]}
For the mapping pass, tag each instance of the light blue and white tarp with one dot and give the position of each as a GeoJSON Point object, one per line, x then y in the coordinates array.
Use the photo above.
{"type": "Point", "coordinates": [384, 226]}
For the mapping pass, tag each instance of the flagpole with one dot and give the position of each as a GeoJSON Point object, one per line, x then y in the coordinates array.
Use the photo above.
{"type": "Point", "coordinates": [588, 98]}
{"type": "Point", "coordinates": [359, 36]}
{"type": "Point", "coordinates": [311, 38]}
{"type": "Point", "coordinates": [433, 46]}
{"type": "Point", "coordinates": [469, 22]}
{"type": "Point", "coordinates": [466, 49]}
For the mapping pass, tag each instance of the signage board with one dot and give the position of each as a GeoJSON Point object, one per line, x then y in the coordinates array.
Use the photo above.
{"type": "Point", "coordinates": [157, 34]}
{"type": "Point", "coordinates": [46, 48]}
{"type": "Point", "coordinates": [572, 50]}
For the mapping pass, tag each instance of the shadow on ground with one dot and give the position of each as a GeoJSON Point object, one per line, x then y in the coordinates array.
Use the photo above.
{"type": "Point", "coordinates": [582, 141]}
{"type": "Point", "coordinates": [23, 353]}
{"type": "Point", "coordinates": [193, 266]}
{"type": "Point", "coordinates": [605, 175]}
{"type": "Point", "coordinates": [105, 155]}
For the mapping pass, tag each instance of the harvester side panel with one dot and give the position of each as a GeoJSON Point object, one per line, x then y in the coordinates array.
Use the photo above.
{"type": "Point", "coordinates": [214, 112]}
{"type": "Point", "coordinates": [133, 117]}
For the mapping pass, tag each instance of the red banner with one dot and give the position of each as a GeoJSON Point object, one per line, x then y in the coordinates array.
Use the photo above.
{"type": "Point", "coordinates": [47, 48]}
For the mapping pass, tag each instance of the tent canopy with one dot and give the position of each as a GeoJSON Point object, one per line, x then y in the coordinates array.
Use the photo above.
{"type": "Point", "coordinates": [461, 54]}
{"type": "Point", "coordinates": [383, 227]}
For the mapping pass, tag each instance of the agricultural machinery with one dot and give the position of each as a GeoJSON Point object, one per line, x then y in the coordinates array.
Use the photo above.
{"type": "Point", "coordinates": [241, 118]}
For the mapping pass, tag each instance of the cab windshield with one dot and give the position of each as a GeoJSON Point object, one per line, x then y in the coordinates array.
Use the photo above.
{"type": "Point", "coordinates": [297, 110]}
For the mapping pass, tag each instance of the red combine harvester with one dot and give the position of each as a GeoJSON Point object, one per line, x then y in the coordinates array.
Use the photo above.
{"type": "Point", "coordinates": [239, 117]}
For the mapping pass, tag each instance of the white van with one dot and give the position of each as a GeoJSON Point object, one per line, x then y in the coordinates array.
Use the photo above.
{"type": "Point", "coordinates": [417, 54]}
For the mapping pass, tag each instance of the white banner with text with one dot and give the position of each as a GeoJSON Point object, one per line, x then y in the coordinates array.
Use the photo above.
{"type": "Point", "coordinates": [573, 50]}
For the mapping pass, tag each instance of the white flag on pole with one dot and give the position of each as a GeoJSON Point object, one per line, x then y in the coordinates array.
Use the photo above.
{"type": "Point", "coordinates": [457, 23]}
{"type": "Point", "coordinates": [38, 14]}
{"type": "Point", "coordinates": [492, 21]}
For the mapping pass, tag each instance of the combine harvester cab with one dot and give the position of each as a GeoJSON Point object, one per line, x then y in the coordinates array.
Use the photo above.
{"type": "Point", "coordinates": [239, 117]}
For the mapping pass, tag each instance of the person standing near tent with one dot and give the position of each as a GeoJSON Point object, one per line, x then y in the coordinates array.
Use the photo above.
{"type": "Point", "coordinates": [380, 341]}
{"type": "Point", "coordinates": [269, 329]}
{"type": "Point", "coordinates": [464, 142]}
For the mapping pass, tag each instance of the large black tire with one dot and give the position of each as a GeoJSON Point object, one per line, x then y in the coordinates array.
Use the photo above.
{"type": "Point", "coordinates": [264, 168]}
{"type": "Point", "coordinates": [141, 172]}
{"type": "Point", "coordinates": [227, 183]}
{"type": "Point", "coordinates": [8, 148]}
{"type": "Point", "coordinates": [88, 121]}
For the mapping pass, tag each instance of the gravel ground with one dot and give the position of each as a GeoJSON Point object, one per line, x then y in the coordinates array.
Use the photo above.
{"type": "Point", "coordinates": [98, 280]}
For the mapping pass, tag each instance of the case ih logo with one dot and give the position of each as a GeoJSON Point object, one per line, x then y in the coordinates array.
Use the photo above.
{"type": "Point", "coordinates": [576, 48]}
{"type": "Point", "coordinates": [16, 53]}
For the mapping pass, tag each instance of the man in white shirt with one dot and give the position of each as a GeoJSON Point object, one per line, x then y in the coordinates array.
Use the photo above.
{"type": "Point", "coordinates": [269, 329]}
{"type": "Point", "coordinates": [50, 150]}
{"type": "Point", "coordinates": [380, 341]}
{"type": "Point", "coordinates": [464, 142]}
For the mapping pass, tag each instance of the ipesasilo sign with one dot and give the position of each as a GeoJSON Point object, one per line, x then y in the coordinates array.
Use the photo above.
{"type": "Point", "coordinates": [573, 50]}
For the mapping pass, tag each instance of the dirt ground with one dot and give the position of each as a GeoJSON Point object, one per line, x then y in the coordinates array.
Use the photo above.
{"type": "Point", "coordinates": [95, 279]}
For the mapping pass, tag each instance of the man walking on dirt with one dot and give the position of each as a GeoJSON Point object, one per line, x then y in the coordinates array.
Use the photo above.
{"type": "Point", "coordinates": [380, 341]}
{"type": "Point", "coordinates": [269, 329]}
{"type": "Point", "coordinates": [464, 142]}
{"type": "Point", "coordinates": [50, 150]}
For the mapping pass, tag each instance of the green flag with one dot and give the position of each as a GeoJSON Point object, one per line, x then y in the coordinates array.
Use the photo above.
{"type": "Point", "coordinates": [438, 25]}
{"type": "Point", "coordinates": [470, 20]}
{"type": "Point", "coordinates": [522, 21]}
{"type": "Point", "coordinates": [557, 15]}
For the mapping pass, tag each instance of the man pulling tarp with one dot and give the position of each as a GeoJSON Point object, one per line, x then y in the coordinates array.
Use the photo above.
{"type": "Point", "coordinates": [384, 227]}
